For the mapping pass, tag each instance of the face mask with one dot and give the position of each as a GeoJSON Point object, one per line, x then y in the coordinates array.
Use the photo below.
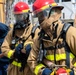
{"type": "Point", "coordinates": [46, 12]}
{"type": "Point", "coordinates": [21, 17]}
{"type": "Point", "coordinates": [20, 25]}
{"type": "Point", "coordinates": [43, 15]}
{"type": "Point", "coordinates": [55, 13]}
{"type": "Point", "coordinates": [52, 12]}
{"type": "Point", "coordinates": [21, 20]}
{"type": "Point", "coordinates": [47, 24]}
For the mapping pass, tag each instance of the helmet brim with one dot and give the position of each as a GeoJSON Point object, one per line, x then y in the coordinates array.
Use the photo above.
{"type": "Point", "coordinates": [59, 7]}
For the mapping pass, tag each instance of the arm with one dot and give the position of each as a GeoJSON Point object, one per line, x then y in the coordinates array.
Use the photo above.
{"type": "Point", "coordinates": [37, 68]}
{"type": "Point", "coordinates": [71, 39]}
{"type": "Point", "coordinates": [32, 60]}
{"type": "Point", "coordinates": [5, 48]}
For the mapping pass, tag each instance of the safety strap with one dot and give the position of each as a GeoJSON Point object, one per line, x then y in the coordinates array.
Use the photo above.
{"type": "Point", "coordinates": [64, 44]}
{"type": "Point", "coordinates": [42, 51]}
{"type": "Point", "coordinates": [63, 35]}
{"type": "Point", "coordinates": [65, 29]}
{"type": "Point", "coordinates": [33, 30]}
{"type": "Point", "coordinates": [67, 49]}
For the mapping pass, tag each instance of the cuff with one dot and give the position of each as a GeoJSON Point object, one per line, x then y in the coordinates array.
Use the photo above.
{"type": "Point", "coordinates": [10, 53]}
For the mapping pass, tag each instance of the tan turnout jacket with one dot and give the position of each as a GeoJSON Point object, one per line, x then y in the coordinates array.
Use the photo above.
{"type": "Point", "coordinates": [37, 68]}
{"type": "Point", "coordinates": [12, 69]}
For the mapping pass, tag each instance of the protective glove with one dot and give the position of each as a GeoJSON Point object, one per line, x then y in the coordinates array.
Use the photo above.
{"type": "Point", "coordinates": [72, 72]}
{"type": "Point", "coordinates": [28, 48]}
{"type": "Point", "coordinates": [17, 53]}
{"type": "Point", "coordinates": [25, 56]}
{"type": "Point", "coordinates": [46, 71]}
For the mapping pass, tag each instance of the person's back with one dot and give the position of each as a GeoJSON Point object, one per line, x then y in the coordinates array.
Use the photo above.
{"type": "Point", "coordinates": [4, 61]}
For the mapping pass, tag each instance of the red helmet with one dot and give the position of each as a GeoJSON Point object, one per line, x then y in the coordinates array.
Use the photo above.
{"type": "Point", "coordinates": [21, 7]}
{"type": "Point", "coordinates": [40, 5]}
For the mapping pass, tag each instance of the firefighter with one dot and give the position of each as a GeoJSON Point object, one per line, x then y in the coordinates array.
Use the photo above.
{"type": "Point", "coordinates": [18, 42]}
{"type": "Point", "coordinates": [54, 51]}
{"type": "Point", "coordinates": [4, 61]}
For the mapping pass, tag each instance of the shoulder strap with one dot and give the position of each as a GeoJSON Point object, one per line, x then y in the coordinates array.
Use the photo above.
{"type": "Point", "coordinates": [67, 49]}
{"type": "Point", "coordinates": [63, 35]}
{"type": "Point", "coordinates": [65, 29]}
{"type": "Point", "coordinates": [34, 29]}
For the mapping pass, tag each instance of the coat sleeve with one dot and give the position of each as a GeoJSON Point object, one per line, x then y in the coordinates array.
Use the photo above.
{"type": "Point", "coordinates": [6, 45]}
{"type": "Point", "coordinates": [71, 39]}
{"type": "Point", "coordinates": [36, 68]}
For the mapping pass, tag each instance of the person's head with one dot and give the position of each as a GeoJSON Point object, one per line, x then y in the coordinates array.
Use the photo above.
{"type": "Point", "coordinates": [46, 8]}
{"type": "Point", "coordinates": [21, 13]}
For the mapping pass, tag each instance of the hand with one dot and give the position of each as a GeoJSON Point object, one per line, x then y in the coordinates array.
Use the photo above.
{"type": "Point", "coordinates": [48, 63]}
{"type": "Point", "coordinates": [24, 56]}
{"type": "Point", "coordinates": [18, 49]}
{"type": "Point", "coordinates": [28, 48]}
{"type": "Point", "coordinates": [46, 71]}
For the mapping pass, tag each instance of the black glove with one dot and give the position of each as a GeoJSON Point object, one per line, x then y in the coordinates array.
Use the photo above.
{"type": "Point", "coordinates": [28, 48]}
{"type": "Point", "coordinates": [25, 57]}
{"type": "Point", "coordinates": [17, 53]}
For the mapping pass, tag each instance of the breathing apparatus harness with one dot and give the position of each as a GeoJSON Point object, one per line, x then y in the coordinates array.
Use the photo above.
{"type": "Point", "coordinates": [43, 50]}
{"type": "Point", "coordinates": [15, 39]}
